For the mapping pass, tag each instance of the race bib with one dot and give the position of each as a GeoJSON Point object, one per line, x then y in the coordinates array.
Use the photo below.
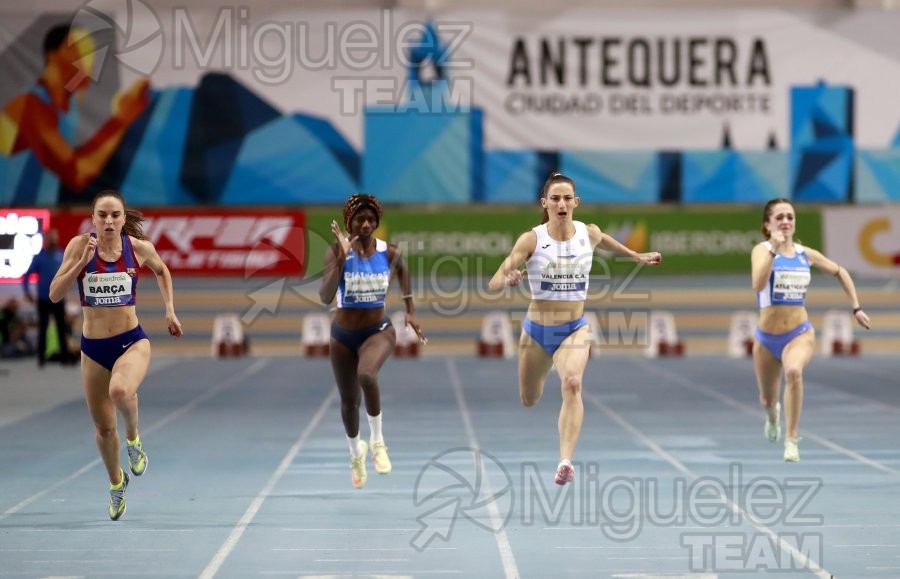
{"type": "Point", "coordinates": [365, 288]}
{"type": "Point", "coordinates": [107, 289]}
{"type": "Point", "coordinates": [790, 286]}
{"type": "Point", "coordinates": [564, 275]}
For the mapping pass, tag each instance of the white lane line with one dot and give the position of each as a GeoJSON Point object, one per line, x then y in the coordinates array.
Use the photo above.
{"type": "Point", "coordinates": [510, 568]}
{"type": "Point", "coordinates": [231, 542]}
{"type": "Point", "coordinates": [333, 530]}
{"type": "Point", "coordinates": [256, 366]}
{"type": "Point", "coordinates": [115, 550]}
{"type": "Point", "coordinates": [345, 548]}
{"type": "Point", "coordinates": [754, 411]}
{"type": "Point", "coordinates": [801, 558]}
{"type": "Point", "coordinates": [96, 530]}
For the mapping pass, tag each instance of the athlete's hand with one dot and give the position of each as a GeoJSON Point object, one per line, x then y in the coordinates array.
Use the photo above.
{"type": "Point", "coordinates": [862, 319]}
{"type": "Point", "coordinates": [344, 244]}
{"type": "Point", "coordinates": [412, 323]}
{"type": "Point", "coordinates": [777, 240]}
{"type": "Point", "coordinates": [174, 325]}
{"type": "Point", "coordinates": [89, 250]}
{"type": "Point", "coordinates": [514, 277]}
{"type": "Point", "coordinates": [651, 258]}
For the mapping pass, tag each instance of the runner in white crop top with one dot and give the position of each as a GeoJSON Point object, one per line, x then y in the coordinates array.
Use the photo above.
{"type": "Point", "coordinates": [558, 253]}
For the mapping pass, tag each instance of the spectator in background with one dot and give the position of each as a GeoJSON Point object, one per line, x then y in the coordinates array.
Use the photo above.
{"type": "Point", "coordinates": [13, 341]}
{"type": "Point", "coordinates": [45, 264]}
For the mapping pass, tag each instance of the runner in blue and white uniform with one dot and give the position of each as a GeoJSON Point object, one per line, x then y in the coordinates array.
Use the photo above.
{"type": "Point", "coordinates": [358, 272]}
{"type": "Point", "coordinates": [559, 253]}
{"type": "Point", "coordinates": [785, 339]}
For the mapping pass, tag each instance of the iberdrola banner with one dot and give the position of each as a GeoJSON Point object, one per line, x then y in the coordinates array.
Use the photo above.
{"type": "Point", "coordinates": [266, 105]}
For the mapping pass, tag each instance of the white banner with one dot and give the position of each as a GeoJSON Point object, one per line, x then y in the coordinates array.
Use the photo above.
{"type": "Point", "coordinates": [677, 80]}
{"type": "Point", "coordinates": [863, 240]}
{"type": "Point", "coordinates": [593, 80]}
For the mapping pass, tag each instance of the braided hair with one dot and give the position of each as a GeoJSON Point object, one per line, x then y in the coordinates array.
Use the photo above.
{"type": "Point", "coordinates": [359, 201]}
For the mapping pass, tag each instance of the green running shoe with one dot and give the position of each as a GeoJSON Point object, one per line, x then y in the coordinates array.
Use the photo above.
{"type": "Point", "coordinates": [117, 498]}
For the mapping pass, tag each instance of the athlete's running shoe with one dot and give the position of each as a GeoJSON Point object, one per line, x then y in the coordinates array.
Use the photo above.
{"type": "Point", "coordinates": [380, 458]}
{"type": "Point", "coordinates": [137, 458]}
{"type": "Point", "coordinates": [791, 450]}
{"type": "Point", "coordinates": [565, 472]}
{"type": "Point", "coordinates": [117, 498]}
{"type": "Point", "coordinates": [358, 474]}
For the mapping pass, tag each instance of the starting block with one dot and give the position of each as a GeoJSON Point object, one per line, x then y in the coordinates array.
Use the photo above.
{"type": "Point", "coordinates": [837, 335]}
{"type": "Point", "coordinates": [228, 337]}
{"type": "Point", "coordinates": [407, 345]}
{"type": "Point", "coordinates": [316, 335]}
{"type": "Point", "coordinates": [740, 334]}
{"type": "Point", "coordinates": [662, 339]}
{"type": "Point", "coordinates": [496, 336]}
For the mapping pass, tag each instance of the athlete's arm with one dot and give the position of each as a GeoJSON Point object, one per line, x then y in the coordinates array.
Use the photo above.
{"type": "Point", "coordinates": [610, 243]}
{"type": "Point", "coordinates": [509, 273]}
{"type": "Point", "coordinates": [399, 266]}
{"type": "Point", "coordinates": [78, 253]}
{"type": "Point", "coordinates": [148, 256]}
{"type": "Point", "coordinates": [761, 260]}
{"type": "Point", "coordinates": [819, 260]}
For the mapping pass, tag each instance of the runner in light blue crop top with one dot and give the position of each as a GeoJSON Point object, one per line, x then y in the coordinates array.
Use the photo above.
{"type": "Point", "coordinates": [788, 281]}
{"type": "Point", "coordinates": [785, 339]}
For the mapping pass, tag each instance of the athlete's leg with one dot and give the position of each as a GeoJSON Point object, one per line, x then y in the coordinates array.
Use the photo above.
{"type": "Point", "coordinates": [534, 366]}
{"type": "Point", "coordinates": [372, 355]}
{"type": "Point", "coordinates": [794, 358]}
{"type": "Point", "coordinates": [571, 359]}
{"type": "Point", "coordinates": [768, 378]}
{"type": "Point", "coordinates": [343, 362]}
{"type": "Point", "coordinates": [95, 379]}
{"type": "Point", "coordinates": [127, 374]}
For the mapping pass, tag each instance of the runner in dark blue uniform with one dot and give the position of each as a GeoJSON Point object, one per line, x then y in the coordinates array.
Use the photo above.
{"type": "Point", "coordinates": [358, 272]}
{"type": "Point", "coordinates": [115, 351]}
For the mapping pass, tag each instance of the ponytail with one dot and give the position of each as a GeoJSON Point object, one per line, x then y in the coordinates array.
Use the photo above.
{"type": "Point", "coordinates": [133, 221]}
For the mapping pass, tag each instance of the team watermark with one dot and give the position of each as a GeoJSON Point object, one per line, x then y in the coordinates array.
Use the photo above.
{"type": "Point", "coordinates": [469, 484]}
{"type": "Point", "coordinates": [384, 63]}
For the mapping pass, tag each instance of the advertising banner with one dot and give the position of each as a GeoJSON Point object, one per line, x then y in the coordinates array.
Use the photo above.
{"type": "Point", "coordinates": [216, 242]}
{"type": "Point", "coordinates": [474, 242]}
{"type": "Point", "coordinates": [265, 104]}
{"type": "Point", "coordinates": [864, 240]}
{"type": "Point", "coordinates": [21, 238]}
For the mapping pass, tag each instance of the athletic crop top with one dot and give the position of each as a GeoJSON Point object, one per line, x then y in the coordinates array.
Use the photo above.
{"type": "Point", "coordinates": [559, 270]}
{"type": "Point", "coordinates": [364, 281]}
{"type": "Point", "coordinates": [788, 281]}
{"type": "Point", "coordinates": [110, 283]}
